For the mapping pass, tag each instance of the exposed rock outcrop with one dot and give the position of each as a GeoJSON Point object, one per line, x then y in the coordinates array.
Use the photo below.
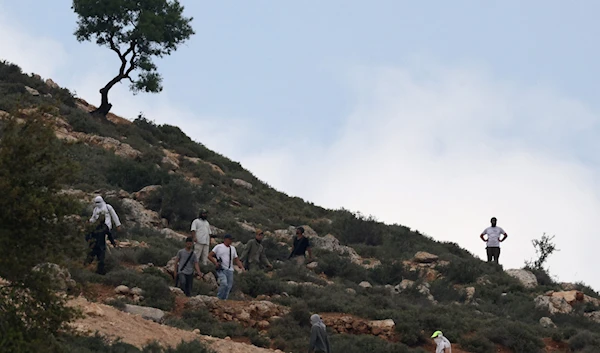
{"type": "Point", "coordinates": [554, 305]}
{"type": "Point", "coordinates": [358, 326]}
{"type": "Point", "coordinates": [147, 313]}
{"type": "Point", "coordinates": [60, 277]}
{"type": "Point", "coordinates": [527, 279]}
{"type": "Point", "coordinates": [242, 183]}
{"type": "Point", "coordinates": [140, 215]}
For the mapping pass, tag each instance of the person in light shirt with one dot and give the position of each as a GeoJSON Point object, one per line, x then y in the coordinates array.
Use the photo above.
{"type": "Point", "coordinates": [494, 235]}
{"type": "Point", "coordinates": [441, 342]}
{"type": "Point", "coordinates": [224, 256]}
{"type": "Point", "coordinates": [201, 232]}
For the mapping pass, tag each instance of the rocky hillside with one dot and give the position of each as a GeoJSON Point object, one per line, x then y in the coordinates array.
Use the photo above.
{"type": "Point", "coordinates": [379, 288]}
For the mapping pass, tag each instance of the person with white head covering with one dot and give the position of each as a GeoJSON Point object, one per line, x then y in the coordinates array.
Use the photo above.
{"type": "Point", "coordinates": [443, 345]}
{"type": "Point", "coordinates": [319, 341]}
{"type": "Point", "coordinates": [110, 216]}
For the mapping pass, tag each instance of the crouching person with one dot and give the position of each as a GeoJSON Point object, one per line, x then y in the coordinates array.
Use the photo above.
{"type": "Point", "coordinates": [97, 244]}
{"type": "Point", "coordinates": [223, 256]}
{"type": "Point", "coordinates": [186, 262]}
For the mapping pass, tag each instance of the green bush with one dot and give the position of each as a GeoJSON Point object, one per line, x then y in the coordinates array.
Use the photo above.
{"type": "Point", "coordinates": [156, 289]}
{"type": "Point", "coordinates": [94, 344]}
{"type": "Point", "coordinates": [477, 344]}
{"type": "Point", "coordinates": [132, 176]}
{"type": "Point", "coordinates": [583, 340]}
{"type": "Point", "coordinates": [255, 283]}
{"type": "Point", "coordinates": [514, 335]}
{"type": "Point", "coordinates": [334, 265]}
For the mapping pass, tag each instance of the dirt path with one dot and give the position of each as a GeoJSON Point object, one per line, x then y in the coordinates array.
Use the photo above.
{"type": "Point", "coordinates": [132, 329]}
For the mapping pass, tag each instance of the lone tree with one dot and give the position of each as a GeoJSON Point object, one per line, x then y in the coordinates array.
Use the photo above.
{"type": "Point", "coordinates": [544, 247]}
{"type": "Point", "coordinates": [136, 31]}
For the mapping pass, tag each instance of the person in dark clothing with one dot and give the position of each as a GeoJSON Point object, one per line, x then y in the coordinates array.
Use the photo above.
{"type": "Point", "coordinates": [319, 341]}
{"type": "Point", "coordinates": [301, 245]}
{"type": "Point", "coordinates": [97, 244]}
{"type": "Point", "coordinates": [187, 261]}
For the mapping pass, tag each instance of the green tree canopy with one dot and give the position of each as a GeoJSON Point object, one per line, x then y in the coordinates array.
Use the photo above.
{"type": "Point", "coordinates": [35, 227]}
{"type": "Point", "coordinates": [136, 31]}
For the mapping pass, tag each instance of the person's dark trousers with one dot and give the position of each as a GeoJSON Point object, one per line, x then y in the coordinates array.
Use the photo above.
{"type": "Point", "coordinates": [189, 283]}
{"type": "Point", "coordinates": [493, 254]}
{"type": "Point", "coordinates": [101, 255]}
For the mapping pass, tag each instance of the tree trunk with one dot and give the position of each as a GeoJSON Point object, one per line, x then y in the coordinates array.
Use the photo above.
{"type": "Point", "coordinates": [104, 107]}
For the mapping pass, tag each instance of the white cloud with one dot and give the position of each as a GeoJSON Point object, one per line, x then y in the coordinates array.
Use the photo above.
{"type": "Point", "coordinates": [41, 55]}
{"type": "Point", "coordinates": [444, 152]}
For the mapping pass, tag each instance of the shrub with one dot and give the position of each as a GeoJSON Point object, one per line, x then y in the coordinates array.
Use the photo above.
{"type": "Point", "coordinates": [255, 283]}
{"type": "Point", "coordinates": [357, 228]}
{"type": "Point", "coordinates": [514, 335]}
{"type": "Point", "coordinates": [365, 343]}
{"type": "Point", "coordinates": [477, 344]}
{"type": "Point", "coordinates": [584, 339]}
{"type": "Point", "coordinates": [156, 289]}
{"type": "Point", "coordinates": [334, 265]}
{"type": "Point", "coordinates": [94, 344]}
{"type": "Point", "coordinates": [132, 176]}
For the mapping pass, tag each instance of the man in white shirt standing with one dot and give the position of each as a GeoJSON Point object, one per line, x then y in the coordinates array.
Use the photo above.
{"type": "Point", "coordinates": [201, 233]}
{"type": "Point", "coordinates": [223, 256]}
{"type": "Point", "coordinates": [441, 342]}
{"type": "Point", "coordinates": [493, 240]}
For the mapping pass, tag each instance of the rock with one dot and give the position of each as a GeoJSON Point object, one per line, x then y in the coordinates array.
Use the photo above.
{"type": "Point", "coordinates": [546, 322]}
{"type": "Point", "coordinates": [143, 194]}
{"type": "Point", "coordinates": [242, 183]}
{"type": "Point", "coordinates": [594, 315]}
{"type": "Point", "coordinates": [146, 312]}
{"type": "Point", "coordinates": [263, 325]}
{"type": "Point", "coordinates": [350, 291]}
{"type": "Point", "coordinates": [122, 290]}
{"type": "Point", "coordinates": [171, 159]}
{"type": "Point", "coordinates": [171, 234]}
{"type": "Point", "coordinates": [470, 292]}
{"type": "Point", "coordinates": [209, 278]}
{"type": "Point", "coordinates": [196, 331]}
{"type": "Point", "coordinates": [36, 76]}
{"type": "Point", "coordinates": [365, 284]}
{"type": "Point", "coordinates": [176, 291]}
{"type": "Point", "coordinates": [137, 291]}
{"type": "Point", "coordinates": [93, 309]}
{"type": "Point", "coordinates": [119, 148]}
{"type": "Point", "coordinates": [382, 326]}
{"type": "Point", "coordinates": [404, 285]}
{"type": "Point", "coordinates": [424, 289]}
{"type": "Point", "coordinates": [553, 304]}
{"type": "Point", "coordinates": [140, 215]}
{"type": "Point", "coordinates": [32, 91]}
{"type": "Point", "coordinates": [216, 231]}
{"type": "Point", "coordinates": [313, 265]}
{"type": "Point", "coordinates": [526, 278]}
{"type": "Point", "coordinates": [247, 227]}
{"type": "Point", "coordinates": [570, 297]}
{"type": "Point", "coordinates": [60, 277]}
{"type": "Point", "coordinates": [52, 84]}
{"type": "Point", "coordinates": [568, 286]}
{"type": "Point", "coordinates": [425, 257]}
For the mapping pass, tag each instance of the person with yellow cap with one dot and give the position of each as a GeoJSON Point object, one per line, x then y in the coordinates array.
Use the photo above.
{"type": "Point", "coordinates": [443, 345]}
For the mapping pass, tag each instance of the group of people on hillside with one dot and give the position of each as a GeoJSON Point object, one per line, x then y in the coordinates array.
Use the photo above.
{"type": "Point", "coordinates": [224, 256]}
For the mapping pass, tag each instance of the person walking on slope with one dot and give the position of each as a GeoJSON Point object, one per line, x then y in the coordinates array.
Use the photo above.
{"type": "Point", "coordinates": [97, 244]}
{"type": "Point", "coordinates": [254, 253]}
{"type": "Point", "coordinates": [201, 233]}
{"type": "Point", "coordinates": [301, 245]}
{"type": "Point", "coordinates": [110, 216]}
{"type": "Point", "coordinates": [187, 260]}
{"type": "Point", "coordinates": [443, 345]}
{"type": "Point", "coordinates": [223, 256]}
{"type": "Point", "coordinates": [319, 341]}
{"type": "Point", "coordinates": [493, 240]}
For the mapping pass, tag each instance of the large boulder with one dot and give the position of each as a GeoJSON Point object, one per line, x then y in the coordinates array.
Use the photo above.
{"type": "Point", "coordinates": [32, 91]}
{"type": "Point", "coordinates": [171, 234]}
{"type": "Point", "coordinates": [527, 279]}
{"type": "Point", "coordinates": [553, 305]}
{"type": "Point", "coordinates": [425, 257]}
{"type": "Point", "coordinates": [140, 215]}
{"type": "Point", "coordinates": [146, 191]}
{"type": "Point", "coordinates": [59, 276]}
{"type": "Point", "coordinates": [594, 315]}
{"type": "Point", "coordinates": [547, 322]}
{"type": "Point", "coordinates": [146, 312]}
{"type": "Point", "coordinates": [242, 183]}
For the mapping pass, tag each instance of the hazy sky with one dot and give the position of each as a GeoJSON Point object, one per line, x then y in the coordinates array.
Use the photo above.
{"type": "Point", "coordinates": [436, 116]}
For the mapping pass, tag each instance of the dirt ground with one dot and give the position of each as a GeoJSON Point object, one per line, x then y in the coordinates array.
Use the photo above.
{"type": "Point", "coordinates": [132, 329]}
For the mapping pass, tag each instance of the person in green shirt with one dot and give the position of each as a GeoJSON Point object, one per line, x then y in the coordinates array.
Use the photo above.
{"type": "Point", "coordinates": [254, 253]}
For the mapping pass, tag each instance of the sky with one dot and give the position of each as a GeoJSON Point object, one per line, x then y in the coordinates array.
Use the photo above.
{"type": "Point", "coordinates": [433, 115]}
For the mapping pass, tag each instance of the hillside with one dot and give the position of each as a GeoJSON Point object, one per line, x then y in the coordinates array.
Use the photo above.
{"type": "Point", "coordinates": [379, 288]}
